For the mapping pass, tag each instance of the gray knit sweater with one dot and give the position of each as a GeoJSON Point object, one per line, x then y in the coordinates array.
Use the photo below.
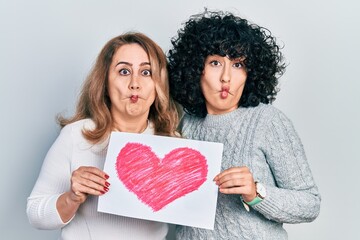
{"type": "Point", "coordinates": [263, 139]}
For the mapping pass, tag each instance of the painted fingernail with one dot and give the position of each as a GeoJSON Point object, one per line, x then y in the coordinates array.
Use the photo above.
{"type": "Point", "coordinates": [102, 192]}
{"type": "Point", "coordinates": [107, 184]}
{"type": "Point", "coordinates": [106, 189]}
{"type": "Point", "coordinates": [106, 176]}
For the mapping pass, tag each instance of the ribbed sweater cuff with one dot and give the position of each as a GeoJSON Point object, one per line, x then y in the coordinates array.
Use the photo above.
{"type": "Point", "coordinates": [269, 206]}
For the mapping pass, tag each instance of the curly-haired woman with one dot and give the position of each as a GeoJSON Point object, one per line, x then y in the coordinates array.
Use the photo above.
{"type": "Point", "coordinates": [224, 71]}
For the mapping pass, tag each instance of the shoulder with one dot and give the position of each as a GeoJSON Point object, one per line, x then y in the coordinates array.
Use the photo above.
{"type": "Point", "coordinates": [274, 122]}
{"type": "Point", "coordinates": [72, 134]}
{"type": "Point", "coordinates": [266, 117]}
{"type": "Point", "coordinates": [188, 120]}
{"type": "Point", "coordinates": [81, 124]}
{"type": "Point", "coordinates": [267, 109]}
{"type": "Point", "coordinates": [269, 113]}
{"type": "Point", "coordinates": [75, 129]}
{"type": "Point", "coordinates": [188, 123]}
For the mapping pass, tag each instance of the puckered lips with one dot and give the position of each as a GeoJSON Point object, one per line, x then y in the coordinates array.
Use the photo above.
{"type": "Point", "coordinates": [134, 98]}
{"type": "Point", "coordinates": [224, 93]}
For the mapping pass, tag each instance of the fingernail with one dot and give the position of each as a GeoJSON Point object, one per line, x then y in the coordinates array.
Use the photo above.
{"type": "Point", "coordinates": [106, 189]}
{"type": "Point", "coordinates": [106, 176]}
{"type": "Point", "coordinates": [107, 184]}
{"type": "Point", "coordinates": [102, 192]}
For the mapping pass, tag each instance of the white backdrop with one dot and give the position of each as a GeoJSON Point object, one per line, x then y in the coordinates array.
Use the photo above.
{"type": "Point", "coordinates": [47, 48]}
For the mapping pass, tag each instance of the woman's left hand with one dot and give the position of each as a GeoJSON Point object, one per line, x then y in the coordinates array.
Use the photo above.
{"type": "Point", "coordinates": [237, 180]}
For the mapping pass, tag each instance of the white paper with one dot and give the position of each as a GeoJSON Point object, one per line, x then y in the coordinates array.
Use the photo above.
{"type": "Point", "coordinates": [161, 179]}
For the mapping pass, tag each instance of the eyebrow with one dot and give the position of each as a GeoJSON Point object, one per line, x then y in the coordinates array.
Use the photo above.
{"type": "Point", "coordinates": [130, 64]}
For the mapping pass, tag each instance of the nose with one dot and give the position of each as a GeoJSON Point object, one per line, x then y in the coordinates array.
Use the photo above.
{"type": "Point", "coordinates": [134, 83]}
{"type": "Point", "coordinates": [226, 74]}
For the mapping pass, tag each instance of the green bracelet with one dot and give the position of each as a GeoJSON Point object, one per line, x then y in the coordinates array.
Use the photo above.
{"type": "Point", "coordinates": [254, 201]}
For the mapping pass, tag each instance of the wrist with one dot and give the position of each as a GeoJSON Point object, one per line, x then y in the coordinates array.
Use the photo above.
{"type": "Point", "coordinates": [249, 198]}
{"type": "Point", "coordinates": [73, 198]}
{"type": "Point", "coordinates": [260, 195]}
{"type": "Point", "coordinates": [253, 202]}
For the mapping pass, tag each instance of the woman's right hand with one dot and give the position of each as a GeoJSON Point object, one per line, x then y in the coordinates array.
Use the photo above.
{"type": "Point", "coordinates": [84, 181]}
{"type": "Point", "coordinates": [88, 180]}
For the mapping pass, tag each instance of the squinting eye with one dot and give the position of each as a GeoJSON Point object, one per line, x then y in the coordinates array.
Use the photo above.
{"type": "Point", "coordinates": [238, 65]}
{"type": "Point", "coordinates": [146, 72]}
{"type": "Point", "coordinates": [215, 63]}
{"type": "Point", "coordinates": [124, 72]}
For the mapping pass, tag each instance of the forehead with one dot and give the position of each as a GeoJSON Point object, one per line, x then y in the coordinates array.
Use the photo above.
{"type": "Point", "coordinates": [216, 56]}
{"type": "Point", "coordinates": [132, 53]}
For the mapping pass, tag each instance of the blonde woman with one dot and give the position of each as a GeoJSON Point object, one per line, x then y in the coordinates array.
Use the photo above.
{"type": "Point", "coordinates": [126, 91]}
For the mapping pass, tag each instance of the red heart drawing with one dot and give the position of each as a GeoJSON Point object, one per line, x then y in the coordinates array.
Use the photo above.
{"type": "Point", "coordinates": [158, 182]}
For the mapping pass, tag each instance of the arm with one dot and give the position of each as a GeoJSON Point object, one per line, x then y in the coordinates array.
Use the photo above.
{"type": "Point", "coordinates": [53, 180]}
{"type": "Point", "coordinates": [292, 196]}
{"type": "Point", "coordinates": [58, 192]}
{"type": "Point", "coordinates": [295, 197]}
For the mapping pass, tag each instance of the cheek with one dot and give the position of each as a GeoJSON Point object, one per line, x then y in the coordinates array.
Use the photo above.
{"type": "Point", "coordinates": [117, 91]}
{"type": "Point", "coordinates": [206, 90]}
{"type": "Point", "coordinates": [211, 77]}
{"type": "Point", "coordinates": [150, 91]}
{"type": "Point", "coordinates": [153, 94]}
{"type": "Point", "coordinates": [240, 79]}
{"type": "Point", "coordinates": [207, 85]}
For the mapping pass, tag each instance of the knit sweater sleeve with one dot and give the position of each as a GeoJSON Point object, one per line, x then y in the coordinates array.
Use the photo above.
{"type": "Point", "coordinates": [53, 180]}
{"type": "Point", "coordinates": [295, 197]}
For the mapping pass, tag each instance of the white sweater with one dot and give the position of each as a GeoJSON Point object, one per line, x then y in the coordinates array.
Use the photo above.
{"type": "Point", "coordinates": [69, 152]}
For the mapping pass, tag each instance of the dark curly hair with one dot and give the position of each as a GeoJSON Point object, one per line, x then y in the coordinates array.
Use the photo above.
{"type": "Point", "coordinates": [224, 34]}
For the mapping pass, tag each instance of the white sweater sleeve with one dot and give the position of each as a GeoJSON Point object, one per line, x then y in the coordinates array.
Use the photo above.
{"type": "Point", "coordinates": [54, 179]}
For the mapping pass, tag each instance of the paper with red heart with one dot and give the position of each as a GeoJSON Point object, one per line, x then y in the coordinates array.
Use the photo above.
{"type": "Point", "coordinates": [162, 179]}
{"type": "Point", "coordinates": [158, 182]}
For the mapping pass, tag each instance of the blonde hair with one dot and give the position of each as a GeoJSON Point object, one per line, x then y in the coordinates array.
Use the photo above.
{"type": "Point", "coordinates": [94, 102]}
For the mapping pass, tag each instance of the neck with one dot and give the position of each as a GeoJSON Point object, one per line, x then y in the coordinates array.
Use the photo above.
{"type": "Point", "coordinates": [131, 126]}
